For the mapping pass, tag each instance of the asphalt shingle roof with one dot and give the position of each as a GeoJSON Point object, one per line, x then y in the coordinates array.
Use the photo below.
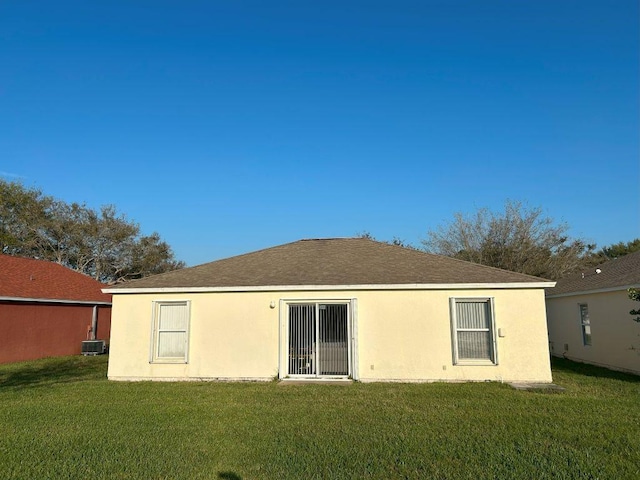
{"type": "Point", "coordinates": [338, 261]}
{"type": "Point", "coordinates": [40, 279]}
{"type": "Point", "coordinates": [620, 272]}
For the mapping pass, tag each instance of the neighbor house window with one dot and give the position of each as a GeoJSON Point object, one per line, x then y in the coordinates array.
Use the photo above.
{"type": "Point", "coordinates": [170, 337]}
{"type": "Point", "coordinates": [585, 324]}
{"type": "Point", "coordinates": [473, 331]}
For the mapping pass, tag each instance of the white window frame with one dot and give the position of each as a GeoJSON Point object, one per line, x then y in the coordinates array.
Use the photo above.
{"type": "Point", "coordinates": [454, 331]}
{"type": "Point", "coordinates": [155, 338]}
{"type": "Point", "coordinates": [585, 321]}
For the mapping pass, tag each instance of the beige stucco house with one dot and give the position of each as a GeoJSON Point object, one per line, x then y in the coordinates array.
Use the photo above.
{"type": "Point", "coordinates": [588, 315]}
{"type": "Point", "coordinates": [332, 308]}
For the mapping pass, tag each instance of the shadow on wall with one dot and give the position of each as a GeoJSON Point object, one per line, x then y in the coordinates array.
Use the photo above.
{"type": "Point", "coordinates": [50, 371]}
{"type": "Point", "coordinates": [229, 476]}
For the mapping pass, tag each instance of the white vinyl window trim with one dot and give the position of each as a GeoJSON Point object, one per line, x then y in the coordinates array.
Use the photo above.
{"type": "Point", "coordinates": [170, 332]}
{"type": "Point", "coordinates": [473, 331]}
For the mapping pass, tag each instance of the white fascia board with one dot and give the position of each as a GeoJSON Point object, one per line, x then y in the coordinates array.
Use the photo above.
{"type": "Point", "coordinates": [308, 288]}
{"type": "Point", "coordinates": [600, 290]}
{"type": "Point", "coordinates": [52, 300]}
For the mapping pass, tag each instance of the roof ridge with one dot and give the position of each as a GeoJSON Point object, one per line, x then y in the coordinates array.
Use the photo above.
{"type": "Point", "coordinates": [326, 238]}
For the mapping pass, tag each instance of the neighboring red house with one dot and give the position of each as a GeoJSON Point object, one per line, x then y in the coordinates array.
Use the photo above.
{"type": "Point", "coordinates": [48, 310]}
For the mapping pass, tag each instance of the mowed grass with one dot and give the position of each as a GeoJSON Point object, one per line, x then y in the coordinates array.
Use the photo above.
{"type": "Point", "coordinates": [61, 418]}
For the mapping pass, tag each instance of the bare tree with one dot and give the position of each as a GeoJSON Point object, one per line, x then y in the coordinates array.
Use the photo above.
{"type": "Point", "coordinates": [520, 239]}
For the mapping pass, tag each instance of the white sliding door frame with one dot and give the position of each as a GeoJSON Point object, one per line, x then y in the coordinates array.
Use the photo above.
{"type": "Point", "coordinates": [284, 369]}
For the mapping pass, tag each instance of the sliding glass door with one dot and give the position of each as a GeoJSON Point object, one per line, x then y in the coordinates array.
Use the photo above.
{"type": "Point", "coordinates": [319, 339]}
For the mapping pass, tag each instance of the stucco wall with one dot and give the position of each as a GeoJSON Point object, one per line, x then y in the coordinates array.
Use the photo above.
{"type": "Point", "coordinates": [36, 330]}
{"type": "Point", "coordinates": [401, 335]}
{"type": "Point", "coordinates": [615, 337]}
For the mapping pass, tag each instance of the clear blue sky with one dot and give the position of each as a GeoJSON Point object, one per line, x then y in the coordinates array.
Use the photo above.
{"type": "Point", "coordinates": [232, 126]}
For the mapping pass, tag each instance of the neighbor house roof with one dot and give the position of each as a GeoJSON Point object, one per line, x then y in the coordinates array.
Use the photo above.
{"type": "Point", "coordinates": [40, 280]}
{"type": "Point", "coordinates": [330, 262]}
{"type": "Point", "coordinates": [617, 274]}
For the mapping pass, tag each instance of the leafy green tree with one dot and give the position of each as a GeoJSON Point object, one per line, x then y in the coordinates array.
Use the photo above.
{"type": "Point", "coordinates": [520, 239]}
{"type": "Point", "coordinates": [619, 249]}
{"type": "Point", "coordinates": [103, 244]}
{"type": "Point", "coordinates": [23, 212]}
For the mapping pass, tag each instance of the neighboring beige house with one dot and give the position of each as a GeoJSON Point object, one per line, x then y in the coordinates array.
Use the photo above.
{"type": "Point", "coordinates": [332, 308]}
{"type": "Point", "coordinates": [588, 315]}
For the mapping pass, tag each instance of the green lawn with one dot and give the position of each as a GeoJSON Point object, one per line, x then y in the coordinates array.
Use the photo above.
{"type": "Point", "coordinates": [60, 418]}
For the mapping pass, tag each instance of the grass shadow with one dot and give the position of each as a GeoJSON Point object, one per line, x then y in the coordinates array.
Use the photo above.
{"type": "Point", "coordinates": [229, 476]}
{"type": "Point", "coordinates": [51, 371]}
{"type": "Point", "coordinates": [569, 366]}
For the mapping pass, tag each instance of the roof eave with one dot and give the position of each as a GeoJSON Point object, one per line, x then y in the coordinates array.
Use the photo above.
{"type": "Point", "coordinates": [294, 288]}
{"type": "Point", "coordinates": [596, 290]}
{"type": "Point", "coordinates": [54, 300]}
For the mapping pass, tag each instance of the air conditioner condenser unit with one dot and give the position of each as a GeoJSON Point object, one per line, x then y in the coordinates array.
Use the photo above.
{"type": "Point", "coordinates": [93, 347]}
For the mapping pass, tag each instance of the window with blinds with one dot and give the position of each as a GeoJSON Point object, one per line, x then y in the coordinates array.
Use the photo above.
{"type": "Point", "coordinates": [585, 324]}
{"type": "Point", "coordinates": [473, 331]}
{"type": "Point", "coordinates": [170, 332]}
